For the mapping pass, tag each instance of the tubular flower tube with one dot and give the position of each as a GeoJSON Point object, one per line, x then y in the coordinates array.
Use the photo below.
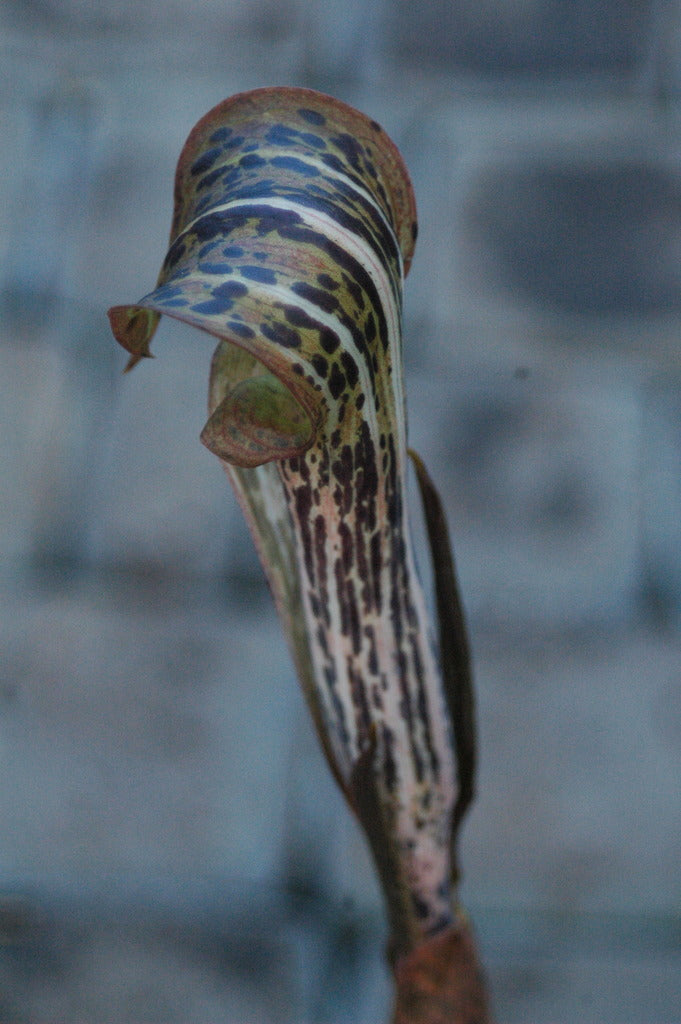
{"type": "Point", "coordinates": [294, 225]}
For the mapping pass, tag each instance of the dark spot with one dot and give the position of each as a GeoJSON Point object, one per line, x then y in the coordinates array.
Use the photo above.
{"type": "Point", "coordinates": [320, 364]}
{"type": "Point", "coordinates": [206, 160]}
{"type": "Point", "coordinates": [421, 908]}
{"type": "Point", "coordinates": [354, 290]}
{"type": "Point", "coordinates": [167, 291]}
{"type": "Point", "coordinates": [252, 160]}
{"type": "Point", "coordinates": [292, 163]}
{"type": "Point", "coordinates": [230, 290]}
{"type": "Point", "coordinates": [347, 546]}
{"type": "Point", "coordinates": [333, 161]}
{"type": "Point", "coordinates": [356, 637]}
{"type": "Point", "coordinates": [212, 224]}
{"type": "Point", "coordinates": [231, 176]}
{"type": "Point", "coordinates": [350, 367]}
{"type": "Point", "coordinates": [234, 252]}
{"type": "Point", "coordinates": [327, 282]}
{"type": "Point", "coordinates": [389, 763]}
{"type": "Point", "coordinates": [261, 274]}
{"type": "Point", "coordinates": [312, 140]}
{"type": "Point", "coordinates": [215, 268]}
{"type": "Point", "coordinates": [336, 382]}
{"type": "Point", "coordinates": [220, 134]}
{"type": "Point", "coordinates": [303, 504]}
{"type": "Point", "coordinates": [414, 230]}
{"type": "Point", "coordinates": [213, 306]}
{"type": "Point", "coordinates": [281, 135]}
{"type": "Point", "coordinates": [321, 632]}
{"type": "Point", "coordinates": [282, 221]}
{"type": "Point", "coordinates": [381, 191]}
{"type": "Point", "coordinates": [376, 559]}
{"type": "Point", "coordinates": [202, 204]}
{"type": "Point", "coordinates": [370, 328]}
{"type": "Point", "coordinates": [280, 334]}
{"type": "Point", "coordinates": [299, 318]}
{"type": "Point", "coordinates": [241, 330]}
{"type": "Point", "coordinates": [209, 179]}
{"type": "Point", "coordinates": [317, 296]}
{"type": "Point", "coordinates": [328, 339]}
{"type": "Point", "coordinates": [350, 147]}
{"type": "Point", "coordinates": [320, 544]}
{"type": "Point", "coordinates": [342, 469]}
{"type": "Point", "coordinates": [311, 116]}
{"type": "Point", "coordinates": [376, 126]}
{"type": "Point", "coordinates": [315, 609]}
{"type": "Point", "coordinates": [233, 143]}
{"type": "Point", "coordinates": [372, 662]}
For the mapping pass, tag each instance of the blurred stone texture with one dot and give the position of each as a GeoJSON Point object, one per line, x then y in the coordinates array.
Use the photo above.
{"type": "Point", "coordinates": [172, 848]}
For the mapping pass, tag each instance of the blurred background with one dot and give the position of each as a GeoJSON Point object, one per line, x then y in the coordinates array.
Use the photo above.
{"type": "Point", "coordinates": [172, 848]}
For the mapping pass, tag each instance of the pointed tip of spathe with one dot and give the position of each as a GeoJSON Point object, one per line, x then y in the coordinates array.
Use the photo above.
{"type": "Point", "coordinates": [135, 359]}
{"type": "Point", "coordinates": [133, 328]}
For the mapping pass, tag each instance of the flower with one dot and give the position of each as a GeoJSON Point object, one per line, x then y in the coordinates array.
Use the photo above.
{"type": "Point", "coordinates": [294, 224]}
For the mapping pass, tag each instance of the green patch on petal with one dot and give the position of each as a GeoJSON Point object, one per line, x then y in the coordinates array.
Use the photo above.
{"type": "Point", "coordinates": [258, 421]}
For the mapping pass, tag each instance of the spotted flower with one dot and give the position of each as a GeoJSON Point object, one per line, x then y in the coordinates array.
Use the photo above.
{"type": "Point", "coordinates": [294, 226]}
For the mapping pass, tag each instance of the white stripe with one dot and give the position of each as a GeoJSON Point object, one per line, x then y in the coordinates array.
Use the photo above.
{"type": "Point", "coordinates": [339, 176]}
{"type": "Point", "coordinates": [284, 203]}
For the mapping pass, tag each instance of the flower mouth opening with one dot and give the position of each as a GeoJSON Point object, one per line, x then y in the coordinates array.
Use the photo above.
{"type": "Point", "coordinates": [254, 415]}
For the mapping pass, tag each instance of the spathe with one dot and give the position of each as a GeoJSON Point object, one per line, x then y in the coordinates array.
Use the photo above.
{"type": "Point", "coordinates": [294, 224]}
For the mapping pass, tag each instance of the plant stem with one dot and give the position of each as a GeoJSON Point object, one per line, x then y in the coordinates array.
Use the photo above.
{"type": "Point", "coordinates": [441, 982]}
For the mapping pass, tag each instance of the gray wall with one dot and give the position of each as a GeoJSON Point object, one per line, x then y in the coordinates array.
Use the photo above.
{"type": "Point", "coordinates": [171, 847]}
